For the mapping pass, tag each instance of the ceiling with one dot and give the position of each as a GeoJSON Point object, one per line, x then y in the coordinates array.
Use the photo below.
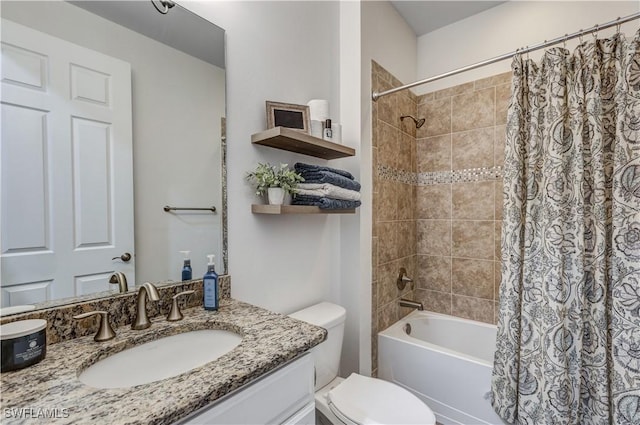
{"type": "Point", "coordinates": [426, 16]}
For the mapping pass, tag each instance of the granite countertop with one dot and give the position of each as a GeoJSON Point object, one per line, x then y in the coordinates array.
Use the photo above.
{"type": "Point", "coordinates": [268, 341]}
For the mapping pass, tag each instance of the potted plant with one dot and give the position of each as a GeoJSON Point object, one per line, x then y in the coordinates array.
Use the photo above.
{"type": "Point", "coordinates": [274, 181]}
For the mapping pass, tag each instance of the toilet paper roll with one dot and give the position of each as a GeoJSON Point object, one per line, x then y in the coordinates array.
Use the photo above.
{"type": "Point", "coordinates": [318, 109]}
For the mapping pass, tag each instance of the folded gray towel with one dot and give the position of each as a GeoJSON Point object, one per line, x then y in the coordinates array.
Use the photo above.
{"type": "Point", "coordinates": [324, 176]}
{"type": "Point", "coordinates": [324, 203]}
{"type": "Point", "coordinates": [301, 167]}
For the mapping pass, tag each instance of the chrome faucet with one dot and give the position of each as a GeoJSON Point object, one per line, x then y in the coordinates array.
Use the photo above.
{"type": "Point", "coordinates": [121, 280]}
{"type": "Point", "coordinates": [411, 304]}
{"type": "Point", "coordinates": [142, 320]}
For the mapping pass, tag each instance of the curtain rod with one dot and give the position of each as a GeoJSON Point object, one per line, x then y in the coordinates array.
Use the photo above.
{"type": "Point", "coordinates": [375, 95]}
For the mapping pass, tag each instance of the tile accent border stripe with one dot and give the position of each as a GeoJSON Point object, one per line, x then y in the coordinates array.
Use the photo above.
{"type": "Point", "coordinates": [440, 177]}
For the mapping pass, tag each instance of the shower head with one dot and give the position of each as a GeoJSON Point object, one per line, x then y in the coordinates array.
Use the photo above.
{"type": "Point", "coordinates": [418, 122]}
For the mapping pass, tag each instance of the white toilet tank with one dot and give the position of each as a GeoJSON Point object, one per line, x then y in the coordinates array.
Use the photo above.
{"type": "Point", "coordinates": [326, 355]}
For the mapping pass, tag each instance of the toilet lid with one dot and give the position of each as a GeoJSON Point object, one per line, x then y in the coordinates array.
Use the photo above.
{"type": "Point", "coordinates": [363, 400]}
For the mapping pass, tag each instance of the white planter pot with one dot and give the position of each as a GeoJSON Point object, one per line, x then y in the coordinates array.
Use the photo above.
{"type": "Point", "coordinates": [275, 195]}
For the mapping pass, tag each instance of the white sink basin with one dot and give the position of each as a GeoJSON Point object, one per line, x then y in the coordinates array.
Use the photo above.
{"type": "Point", "coordinates": [160, 359]}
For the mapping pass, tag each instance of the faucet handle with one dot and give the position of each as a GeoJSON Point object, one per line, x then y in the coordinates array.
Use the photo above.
{"type": "Point", "coordinates": [105, 331]}
{"type": "Point", "coordinates": [175, 314]}
{"type": "Point", "coordinates": [403, 279]}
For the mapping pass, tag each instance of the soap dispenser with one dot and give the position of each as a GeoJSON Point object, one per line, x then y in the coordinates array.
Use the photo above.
{"type": "Point", "coordinates": [210, 282]}
{"type": "Point", "coordinates": [186, 268]}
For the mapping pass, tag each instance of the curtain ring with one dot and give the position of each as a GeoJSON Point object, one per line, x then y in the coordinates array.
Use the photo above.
{"type": "Point", "coordinates": [564, 42]}
{"type": "Point", "coordinates": [595, 32]}
{"type": "Point", "coordinates": [581, 34]}
{"type": "Point", "coordinates": [618, 26]}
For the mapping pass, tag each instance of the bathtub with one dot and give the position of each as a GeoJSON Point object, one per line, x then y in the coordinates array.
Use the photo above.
{"type": "Point", "coordinates": [445, 361]}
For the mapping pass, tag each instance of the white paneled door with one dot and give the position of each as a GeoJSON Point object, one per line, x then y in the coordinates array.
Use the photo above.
{"type": "Point", "coordinates": [66, 157]}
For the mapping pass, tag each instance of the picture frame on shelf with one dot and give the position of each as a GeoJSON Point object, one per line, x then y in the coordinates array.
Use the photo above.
{"type": "Point", "coordinates": [289, 115]}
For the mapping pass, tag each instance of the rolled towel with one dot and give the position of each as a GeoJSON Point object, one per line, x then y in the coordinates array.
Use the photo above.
{"type": "Point", "coordinates": [327, 190]}
{"type": "Point", "coordinates": [330, 177]}
{"type": "Point", "coordinates": [324, 203]}
{"type": "Point", "coordinates": [301, 167]}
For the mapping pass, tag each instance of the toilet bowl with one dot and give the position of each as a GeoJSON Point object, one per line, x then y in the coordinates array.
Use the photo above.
{"type": "Point", "coordinates": [357, 399]}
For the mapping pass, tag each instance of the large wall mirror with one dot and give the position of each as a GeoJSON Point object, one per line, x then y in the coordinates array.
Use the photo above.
{"type": "Point", "coordinates": [110, 112]}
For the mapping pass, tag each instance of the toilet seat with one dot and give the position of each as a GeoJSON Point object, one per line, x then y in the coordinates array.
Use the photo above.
{"type": "Point", "coordinates": [362, 400]}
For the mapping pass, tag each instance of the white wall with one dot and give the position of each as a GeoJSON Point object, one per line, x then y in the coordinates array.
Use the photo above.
{"type": "Point", "coordinates": [389, 40]}
{"type": "Point", "coordinates": [178, 101]}
{"type": "Point", "coordinates": [280, 51]}
{"type": "Point", "coordinates": [504, 29]}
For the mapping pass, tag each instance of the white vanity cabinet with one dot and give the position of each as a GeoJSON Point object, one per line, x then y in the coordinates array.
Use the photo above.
{"type": "Point", "coordinates": [283, 396]}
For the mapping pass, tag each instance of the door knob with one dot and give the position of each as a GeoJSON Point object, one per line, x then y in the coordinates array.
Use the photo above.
{"type": "Point", "coordinates": [124, 257]}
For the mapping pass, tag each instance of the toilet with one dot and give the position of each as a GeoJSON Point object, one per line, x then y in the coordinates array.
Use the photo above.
{"type": "Point", "coordinates": [357, 399]}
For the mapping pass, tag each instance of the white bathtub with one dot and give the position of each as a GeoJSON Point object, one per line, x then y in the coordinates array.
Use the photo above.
{"type": "Point", "coordinates": [445, 361]}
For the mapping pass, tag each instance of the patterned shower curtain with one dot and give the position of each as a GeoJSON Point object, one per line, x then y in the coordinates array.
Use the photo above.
{"type": "Point", "coordinates": [568, 346]}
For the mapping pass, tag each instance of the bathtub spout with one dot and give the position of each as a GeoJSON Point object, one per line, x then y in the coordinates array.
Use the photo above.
{"type": "Point", "coordinates": [411, 304]}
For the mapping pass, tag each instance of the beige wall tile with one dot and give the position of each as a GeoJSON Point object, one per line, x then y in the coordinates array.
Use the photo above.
{"type": "Point", "coordinates": [388, 145]}
{"type": "Point", "coordinates": [497, 234]}
{"type": "Point", "coordinates": [433, 201]}
{"type": "Point", "coordinates": [374, 258]}
{"type": "Point", "coordinates": [438, 117]}
{"type": "Point", "coordinates": [387, 289]}
{"type": "Point", "coordinates": [452, 91]}
{"type": "Point", "coordinates": [387, 205]}
{"type": "Point", "coordinates": [387, 105]}
{"type": "Point", "coordinates": [405, 201]}
{"type": "Point", "coordinates": [494, 80]}
{"type": "Point", "coordinates": [404, 152]}
{"type": "Point", "coordinates": [374, 171]}
{"type": "Point", "coordinates": [472, 149]}
{"type": "Point", "coordinates": [473, 110]}
{"type": "Point", "coordinates": [427, 97]}
{"type": "Point", "coordinates": [374, 126]}
{"type": "Point", "coordinates": [472, 201]}
{"type": "Point", "coordinates": [472, 239]}
{"type": "Point", "coordinates": [498, 149]}
{"type": "Point", "coordinates": [406, 238]}
{"type": "Point", "coordinates": [438, 302]}
{"type": "Point", "coordinates": [472, 308]}
{"type": "Point", "coordinates": [407, 107]}
{"type": "Point", "coordinates": [433, 273]}
{"type": "Point", "coordinates": [473, 278]}
{"type": "Point", "coordinates": [499, 198]}
{"type": "Point", "coordinates": [434, 237]}
{"type": "Point", "coordinates": [380, 71]}
{"type": "Point", "coordinates": [496, 312]}
{"type": "Point", "coordinates": [434, 154]}
{"type": "Point", "coordinates": [387, 241]}
{"type": "Point", "coordinates": [388, 314]}
{"type": "Point", "coordinates": [503, 96]}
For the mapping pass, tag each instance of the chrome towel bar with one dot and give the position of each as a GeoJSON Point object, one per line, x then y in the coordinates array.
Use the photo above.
{"type": "Point", "coordinates": [167, 208]}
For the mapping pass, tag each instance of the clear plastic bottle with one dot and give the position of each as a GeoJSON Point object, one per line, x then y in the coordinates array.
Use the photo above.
{"type": "Point", "coordinates": [210, 282]}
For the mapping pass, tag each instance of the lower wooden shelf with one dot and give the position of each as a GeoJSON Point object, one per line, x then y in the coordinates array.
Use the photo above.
{"type": "Point", "coordinates": [295, 209]}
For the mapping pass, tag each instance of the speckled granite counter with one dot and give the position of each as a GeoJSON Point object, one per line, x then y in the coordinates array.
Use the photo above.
{"type": "Point", "coordinates": [268, 341]}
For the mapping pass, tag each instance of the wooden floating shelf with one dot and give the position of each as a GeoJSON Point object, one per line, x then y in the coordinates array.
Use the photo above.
{"type": "Point", "coordinates": [299, 142]}
{"type": "Point", "coordinates": [296, 209]}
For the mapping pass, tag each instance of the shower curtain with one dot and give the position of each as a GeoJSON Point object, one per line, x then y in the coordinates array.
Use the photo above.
{"type": "Point", "coordinates": [568, 346]}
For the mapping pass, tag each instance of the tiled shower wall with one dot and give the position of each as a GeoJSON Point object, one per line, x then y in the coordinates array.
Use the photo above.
{"type": "Point", "coordinates": [394, 224]}
{"type": "Point", "coordinates": [460, 152]}
{"type": "Point", "coordinates": [437, 198]}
